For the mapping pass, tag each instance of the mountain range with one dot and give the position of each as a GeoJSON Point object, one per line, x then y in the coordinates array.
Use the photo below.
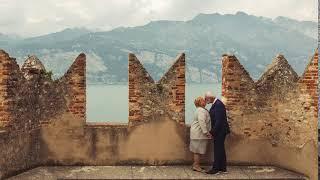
{"type": "Point", "coordinates": [254, 40]}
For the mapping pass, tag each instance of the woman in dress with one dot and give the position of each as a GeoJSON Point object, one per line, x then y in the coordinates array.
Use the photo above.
{"type": "Point", "coordinates": [199, 132]}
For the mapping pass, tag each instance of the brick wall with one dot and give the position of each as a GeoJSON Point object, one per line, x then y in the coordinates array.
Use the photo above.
{"type": "Point", "coordinates": [174, 83]}
{"type": "Point", "coordinates": [75, 82]}
{"type": "Point", "coordinates": [140, 84]}
{"type": "Point", "coordinates": [6, 64]}
{"type": "Point", "coordinates": [9, 71]}
{"type": "Point", "coordinates": [235, 81]}
{"type": "Point", "coordinates": [309, 83]}
{"type": "Point", "coordinates": [29, 98]}
{"type": "Point", "coordinates": [280, 107]}
{"type": "Point", "coordinates": [149, 100]}
{"type": "Point", "coordinates": [273, 121]}
{"type": "Point", "coordinates": [276, 106]}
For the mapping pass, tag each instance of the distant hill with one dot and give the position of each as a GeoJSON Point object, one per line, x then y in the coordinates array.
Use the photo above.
{"type": "Point", "coordinates": [254, 40]}
{"type": "Point", "coordinates": [308, 28]}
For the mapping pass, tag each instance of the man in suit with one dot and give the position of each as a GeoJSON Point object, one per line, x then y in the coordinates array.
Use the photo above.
{"type": "Point", "coordinates": [219, 130]}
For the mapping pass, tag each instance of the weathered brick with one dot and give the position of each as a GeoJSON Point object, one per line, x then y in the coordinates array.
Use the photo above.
{"type": "Point", "coordinates": [167, 95]}
{"type": "Point", "coordinates": [276, 95]}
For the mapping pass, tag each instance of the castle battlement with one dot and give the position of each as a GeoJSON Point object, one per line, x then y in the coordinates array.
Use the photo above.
{"type": "Point", "coordinates": [42, 121]}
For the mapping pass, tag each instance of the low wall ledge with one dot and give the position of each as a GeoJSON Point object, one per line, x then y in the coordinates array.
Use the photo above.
{"type": "Point", "coordinates": [106, 125]}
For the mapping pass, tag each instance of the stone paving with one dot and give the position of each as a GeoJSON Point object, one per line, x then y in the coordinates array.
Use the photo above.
{"type": "Point", "coordinates": [152, 172]}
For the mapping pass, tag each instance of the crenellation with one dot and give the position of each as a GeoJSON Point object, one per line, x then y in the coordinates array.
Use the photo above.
{"type": "Point", "coordinates": [45, 118]}
{"type": "Point", "coordinates": [29, 100]}
{"type": "Point", "coordinates": [32, 67]}
{"type": "Point", "coordinates": [152, 100]}
{"type": "Point", "coordinates": [10, 80]}
{"type": "Point", "coordinates": [262, 105]}
{"type": "Point", "coordinates": [75, 82]}
{"type": "Point", "coordinates": [235, 79]}
{"type": "Point", "coordinates": [308, 83]}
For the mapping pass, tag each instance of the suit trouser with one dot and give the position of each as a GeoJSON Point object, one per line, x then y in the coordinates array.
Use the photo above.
{"type": "Point", "coordinates": [220, 160]}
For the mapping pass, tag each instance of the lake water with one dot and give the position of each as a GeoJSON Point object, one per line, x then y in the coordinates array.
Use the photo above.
{"type": "Point", "coordinates": [109, 103]}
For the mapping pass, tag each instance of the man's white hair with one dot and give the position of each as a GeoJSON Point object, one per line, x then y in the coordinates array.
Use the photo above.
{"type": "Point", "coordinates": [208, 94]}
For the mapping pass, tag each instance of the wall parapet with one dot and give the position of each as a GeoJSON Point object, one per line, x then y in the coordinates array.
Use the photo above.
{"type": "Point", "coordinates": [29, 100]}
{"type": "Point", "coordinates": [275, 101]}
{"type": "Point", "coordinates": [106, 124]}
{"type": "Point", "coordinates": [280, 107]}
{"type": "Point", "coordinates": [277, 113]}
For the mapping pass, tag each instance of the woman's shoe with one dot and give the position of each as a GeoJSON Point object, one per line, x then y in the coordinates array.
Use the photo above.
{"type": "Point", "coordinates": [198, 169]}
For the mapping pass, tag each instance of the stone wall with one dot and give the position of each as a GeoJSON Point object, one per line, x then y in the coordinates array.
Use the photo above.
{"type": "Point", "coordinates": [26, 100]}
{"type": "Point", "coordinates": [273, 120]}
{"type": "Point", "coordinates": [280, 108]}
{"type": "Point", "coordinates": [149, 101]}
{"type": "Point", "coordinates": [74, 84]}
{"type": "Point", "coordinates": [29, 100]}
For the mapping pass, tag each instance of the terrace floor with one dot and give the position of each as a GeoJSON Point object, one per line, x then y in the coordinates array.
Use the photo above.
{"type": "Point", "coordinates": [152, 172]}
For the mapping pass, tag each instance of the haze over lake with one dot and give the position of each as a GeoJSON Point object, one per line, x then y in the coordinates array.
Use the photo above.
{"type": "Point", "coordinates": [109, 103]}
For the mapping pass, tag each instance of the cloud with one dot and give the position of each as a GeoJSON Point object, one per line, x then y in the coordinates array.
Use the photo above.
{"type": "Point", "coordinates": [37, 17]}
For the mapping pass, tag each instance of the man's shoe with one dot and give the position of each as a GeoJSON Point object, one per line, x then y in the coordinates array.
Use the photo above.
{"type": "Point", "coordinates": [213, 171]}
{"type": "Point", "coordinates": [224, 172]}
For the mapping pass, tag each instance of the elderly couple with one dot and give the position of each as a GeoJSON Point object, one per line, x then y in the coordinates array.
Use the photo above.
{"type": "Point", "coordinates": [209, 124]}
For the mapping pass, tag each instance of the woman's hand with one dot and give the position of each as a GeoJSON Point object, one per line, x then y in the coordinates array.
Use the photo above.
{"type": "Point", "coordinates": [209, 135]}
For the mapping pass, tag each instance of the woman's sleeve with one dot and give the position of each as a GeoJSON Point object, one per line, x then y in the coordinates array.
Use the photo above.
{"type": "Point", "coordinates": [202, 121]}
{"type": "Point", "coordinates": [208, 121]}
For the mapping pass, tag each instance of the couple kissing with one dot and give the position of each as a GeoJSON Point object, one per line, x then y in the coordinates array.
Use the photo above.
{"type": "Point", "coordinates": [209, 125]}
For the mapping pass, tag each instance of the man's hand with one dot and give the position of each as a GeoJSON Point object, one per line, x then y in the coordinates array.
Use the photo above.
{"type": "Point", "coordinates": [209, 135]}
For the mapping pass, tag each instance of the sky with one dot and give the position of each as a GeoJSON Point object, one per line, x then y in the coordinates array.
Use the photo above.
{"type": "Point", "coordinates": [29, 18]}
